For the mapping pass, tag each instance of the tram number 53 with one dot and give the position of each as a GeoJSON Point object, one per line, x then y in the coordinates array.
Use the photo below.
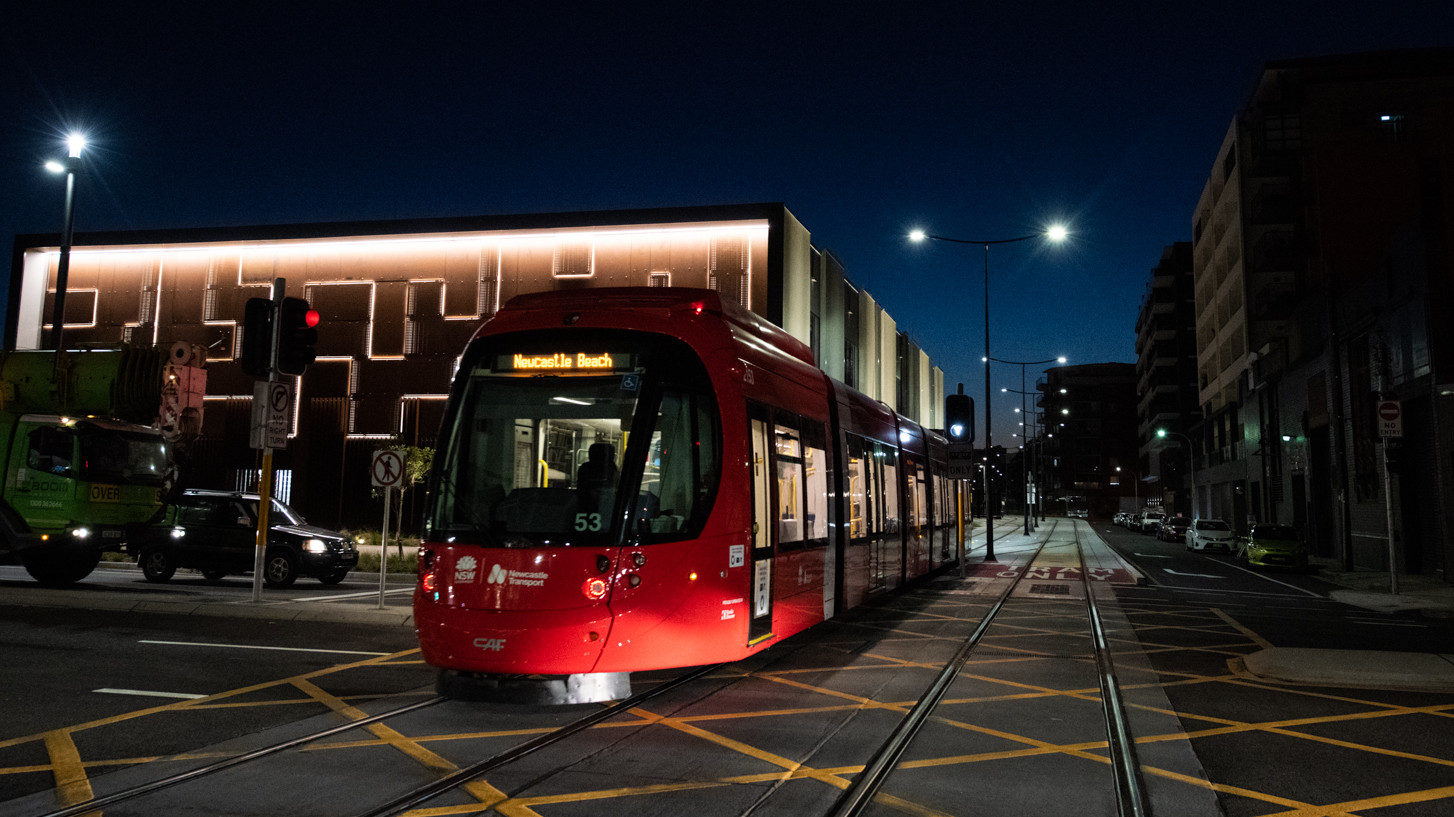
{"type": "Point", "coordinates": [588, 522]}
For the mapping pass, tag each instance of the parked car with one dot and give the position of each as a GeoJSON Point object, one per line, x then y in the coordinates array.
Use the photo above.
{"type": "Point", "coordinates": [215, 532]}
{"type": "Point", "coordinates": [1205, 533]}
{"type": "Point", "coordinates": [1173, 529]}
{"type": "Point", "coordinates": [1273, 545]}
{"type": "Point", "coordinates": [1149, 521]}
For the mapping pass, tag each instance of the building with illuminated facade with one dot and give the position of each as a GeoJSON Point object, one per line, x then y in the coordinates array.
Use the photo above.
{"type": "Point", "coordinates": [399, 300]}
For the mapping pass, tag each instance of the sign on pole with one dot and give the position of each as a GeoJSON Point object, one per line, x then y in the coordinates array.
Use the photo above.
{"type": "Point", "coordinates": [1390, 418]}
{"type": "Point", "coordinates": [272, 402]}
{"type": "Point", "coordinates": [960, 461]}
{"type": "Point", "coordinates": [386, 471]}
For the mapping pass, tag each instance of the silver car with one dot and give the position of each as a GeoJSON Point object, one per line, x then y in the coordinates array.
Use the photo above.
{"type": "Point", "coordinates": [1205, 533]}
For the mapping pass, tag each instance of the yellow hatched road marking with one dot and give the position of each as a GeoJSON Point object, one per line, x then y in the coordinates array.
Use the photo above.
{"type": "Point", "coordinates": [1251, 636]}
{"type": "Point", "coordinates": [72, 785]}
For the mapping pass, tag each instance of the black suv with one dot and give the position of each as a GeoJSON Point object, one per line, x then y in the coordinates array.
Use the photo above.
{"type": "Point", "coordinates": [216, 533]}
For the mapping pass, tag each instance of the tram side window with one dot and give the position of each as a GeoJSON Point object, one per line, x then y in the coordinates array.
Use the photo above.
{"type": "Point", "coordinates": [859, 492]}
{"type": "Point", "coordinates": [788, 452]}
{"type": "Point", "coordinates": [918, 511]}
{"type": "Point", "coordinates": [888, 463]}
{"type": "Point", "coordinates": [680, 475]}
{"type": "Point", "coordinates": [815, 475]}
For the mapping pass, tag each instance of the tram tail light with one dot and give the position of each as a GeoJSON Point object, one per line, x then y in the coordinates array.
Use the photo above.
{"type": "Point", "coordinates": [594, 588]}
{"type": "Point", "coordinates": [428, 577]}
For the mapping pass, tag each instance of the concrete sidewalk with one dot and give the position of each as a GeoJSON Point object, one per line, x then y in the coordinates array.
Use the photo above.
{"type": "Point", "coordinates": [1370, 589]}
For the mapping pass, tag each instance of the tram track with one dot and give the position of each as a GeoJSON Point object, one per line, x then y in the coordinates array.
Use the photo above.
{"type": "Point", "coordinates": [467, 778]}
{"type": "Point", "coordinates": [1131, 799]}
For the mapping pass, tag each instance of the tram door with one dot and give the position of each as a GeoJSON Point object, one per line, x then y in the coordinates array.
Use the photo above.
{"type": "Point", "coordinates": [760, 602]}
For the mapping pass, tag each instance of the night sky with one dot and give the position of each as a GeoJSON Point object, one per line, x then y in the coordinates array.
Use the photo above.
{"type": "Point", "coordinates": [867, 119]}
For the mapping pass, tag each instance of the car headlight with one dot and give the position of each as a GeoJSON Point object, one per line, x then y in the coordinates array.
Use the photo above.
{"type": "Point", "coordinates": [178, 533]}
{"type": "Point", "coordinates": [316, 546]}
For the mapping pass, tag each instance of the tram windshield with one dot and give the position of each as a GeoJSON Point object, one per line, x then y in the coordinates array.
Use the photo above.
{"type": "Point", "coordinates": [585, 441]}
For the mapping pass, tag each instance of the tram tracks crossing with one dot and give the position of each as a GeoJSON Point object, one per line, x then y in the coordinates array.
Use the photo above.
{"type": "Point", "coordinates": [861, 784]}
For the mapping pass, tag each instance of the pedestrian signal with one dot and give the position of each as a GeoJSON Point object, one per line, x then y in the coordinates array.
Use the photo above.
{"type": "Point", "coordinates": [959, 418]}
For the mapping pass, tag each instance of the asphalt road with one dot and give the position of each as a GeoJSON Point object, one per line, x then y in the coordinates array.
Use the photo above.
{"type": "Point", "coordinates": [106, 679]}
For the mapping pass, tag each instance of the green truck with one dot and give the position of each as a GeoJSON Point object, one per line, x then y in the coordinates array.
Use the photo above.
{"type": "Point", "coordinates": [86, 448]}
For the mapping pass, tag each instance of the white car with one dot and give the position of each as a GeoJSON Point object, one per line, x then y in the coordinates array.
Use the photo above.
{"type": "Point", "coordinates": [1205, 533]}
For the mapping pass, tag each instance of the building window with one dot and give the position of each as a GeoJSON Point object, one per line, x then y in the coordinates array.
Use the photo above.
{"type": "Point", "coordinates": [572, 260]}
{"type": "Point", "coordinates": [659, 279]}
{"type": "Point", "coordinates": [1281, 133]}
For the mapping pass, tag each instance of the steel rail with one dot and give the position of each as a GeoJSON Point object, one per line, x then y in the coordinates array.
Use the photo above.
{"type": "Point", "coordinates": [95, 803]}
{"type": "Point", "coordinates": [422, 794]}
{"type": "Point", "coordinates": [1131, 798]}
{"type": "Point", "coordinates": [866, 784]}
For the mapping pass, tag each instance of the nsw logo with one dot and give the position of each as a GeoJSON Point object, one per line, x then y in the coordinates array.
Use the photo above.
{"type": "Point", "coordinates": [464, 569]}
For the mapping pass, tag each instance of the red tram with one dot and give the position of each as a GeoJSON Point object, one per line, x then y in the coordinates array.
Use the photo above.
{"type": "Point", "coordinates": [632, 479]}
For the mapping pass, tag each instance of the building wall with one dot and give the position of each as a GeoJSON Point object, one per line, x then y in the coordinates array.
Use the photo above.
{"type": "Point", "coordinates": [399, 300]}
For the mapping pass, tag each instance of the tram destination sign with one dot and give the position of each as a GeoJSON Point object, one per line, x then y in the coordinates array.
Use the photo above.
{"type": "Point", "coordinates": [583, 361]}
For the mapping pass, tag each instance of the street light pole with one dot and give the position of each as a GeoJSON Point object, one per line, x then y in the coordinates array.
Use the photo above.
{"type": "Point", "coordinates": [1135, 486]}
{"type": "Point", "coordinates": [1025, 475]}
{"type": "Point", "coordinates": [1191, 457]}
{"type": "Point", "coordinates": [74, 143]}
{"type": "Point", "coordinates": [1055, 234]}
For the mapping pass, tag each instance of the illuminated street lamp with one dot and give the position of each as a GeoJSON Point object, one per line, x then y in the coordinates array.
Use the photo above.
{"type": "Point", "coordinates": [1135, 486]}
{"type": "Point", "coordinates": [1055, 234]}
{"type": "Point", "coordinates": [1022, 364]}
{"type": "Point", "coordinates": [1192, 460]}
{"type": "Point", "coordinates": [75, 142]}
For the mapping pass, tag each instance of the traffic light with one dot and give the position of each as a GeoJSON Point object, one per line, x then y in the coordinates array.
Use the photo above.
{"type": "Point", "coordinates": [959, 418]}
{"type": "Point", "coordinates": [257, 337]}
{"type": "Point", "coordinates": [296, 335]}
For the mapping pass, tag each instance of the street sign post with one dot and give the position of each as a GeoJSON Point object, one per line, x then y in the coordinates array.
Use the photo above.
{"type": "Point", "coordinates": [386, 471]}
{"type": "Point", "coordinates": [272, 402]}
{"type": "Point", "coordinates": [1390, 418]}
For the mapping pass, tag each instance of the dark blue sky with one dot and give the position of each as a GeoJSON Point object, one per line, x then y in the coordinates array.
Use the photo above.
{"type": "Point", "coordinates": [866, 118]}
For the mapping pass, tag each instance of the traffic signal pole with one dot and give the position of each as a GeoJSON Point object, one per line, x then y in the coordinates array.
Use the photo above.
{"type": "Point", "coordinates": [265, 480]}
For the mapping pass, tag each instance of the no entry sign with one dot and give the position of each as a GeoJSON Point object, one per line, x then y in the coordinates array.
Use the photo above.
{"type": "Point", "coordinates": [1390, 418]}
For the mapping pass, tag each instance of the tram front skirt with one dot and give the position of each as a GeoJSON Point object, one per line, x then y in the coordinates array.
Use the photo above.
{"type": "Point", "coordinates": [535, 690]}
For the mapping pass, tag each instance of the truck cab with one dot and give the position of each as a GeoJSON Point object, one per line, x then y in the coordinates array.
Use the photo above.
{"type": "Point", "coordinates": [74, 487]}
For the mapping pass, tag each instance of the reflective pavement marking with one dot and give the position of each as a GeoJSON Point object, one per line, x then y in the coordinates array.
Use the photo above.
{"type": "Point", "coordinates": [255, 647]}
{"type": "Point", "coordinates": [368, 594]}
{"type": "Point", "coordinates": [1275, 581]}
{"type": "Point", "coordinates": [148, 693]}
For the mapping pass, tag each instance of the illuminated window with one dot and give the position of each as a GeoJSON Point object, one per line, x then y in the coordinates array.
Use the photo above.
{"type": "Point", "coordinates": [572, 260]}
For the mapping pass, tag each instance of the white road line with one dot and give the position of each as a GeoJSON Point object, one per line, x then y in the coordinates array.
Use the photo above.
{"type": "Point", "coordinates": [1274, 581]}
{"type": "Point", "coordinates": [355, 595]}
{"type": "Point", "coordinates": [1238, 592]}
{"type": "Point", "coordinates": [1371, 622]}
{"type": "Point", "coordinates": [254, 647]}
{"type": "Point", "coordinates": [146, 693]}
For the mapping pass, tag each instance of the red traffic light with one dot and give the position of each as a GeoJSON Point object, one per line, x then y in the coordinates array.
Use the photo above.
{"type": "Point", "coordinates": [296, 335]}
